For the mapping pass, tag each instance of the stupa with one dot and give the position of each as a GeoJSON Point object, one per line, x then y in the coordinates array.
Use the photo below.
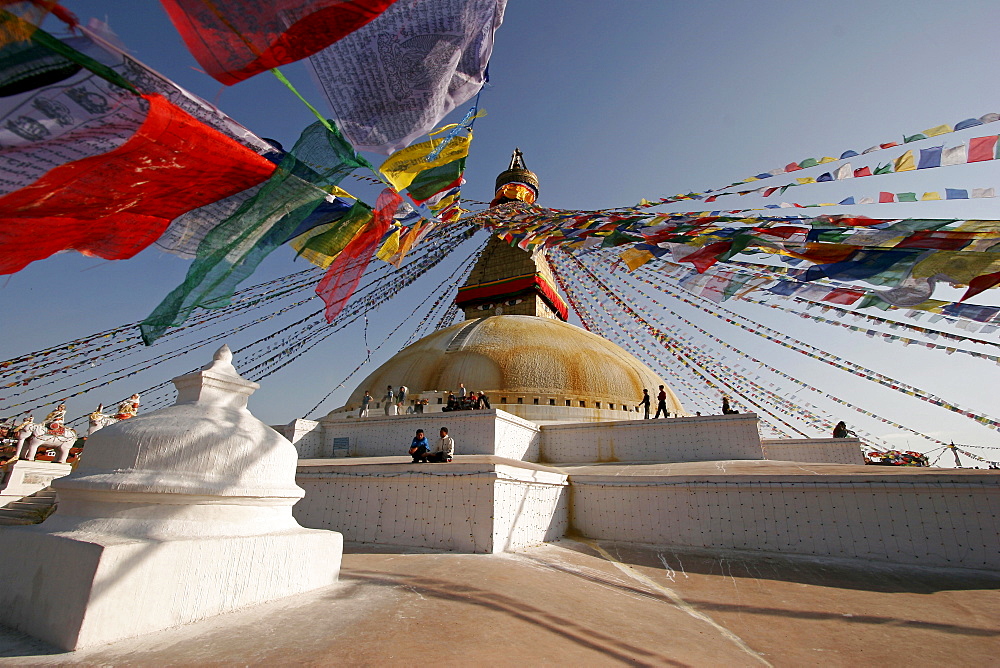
{"type": "Point", "coordinates": [515, 344]}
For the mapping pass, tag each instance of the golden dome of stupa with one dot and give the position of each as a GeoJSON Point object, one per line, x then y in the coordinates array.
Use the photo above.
{"type": "Point", "coordinates": [520, 360]}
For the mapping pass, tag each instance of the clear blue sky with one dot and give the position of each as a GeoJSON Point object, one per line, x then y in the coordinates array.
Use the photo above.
{"type": "Point", "coordinates": [612, 103]}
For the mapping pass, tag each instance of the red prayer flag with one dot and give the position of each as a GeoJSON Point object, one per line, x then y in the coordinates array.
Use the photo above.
{"type": "Point", "coordinates": [792, 167]}
{"type": "Point", "coordinates": [982, 148]}
{"type": "Point", "coordinates": [236, 39]}
{"type": "Point", "coordinates": [843, 296]}
{"type": "Point", "coordinates": [981, 283]}
{"type": "Point", "coordinates": [706, 256]}
{"type": "Point", "coordinates": [863, 171]}
{"type": "Point", "coordinates": [342, 278]}
{"type": "Point", "coordinates": [886, 197]}
{"type": "Point", "coordinates": [115, 204]}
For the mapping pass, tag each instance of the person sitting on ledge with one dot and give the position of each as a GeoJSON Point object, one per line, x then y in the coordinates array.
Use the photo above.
{"type": "Point", "coordinates": [841, 430]}
{"type": "Point", "coordinates": [419, 447]}
{"type": "Point", "coordinates": [444, 449]}
{"type": "Point", "coordinates": [726, 410]}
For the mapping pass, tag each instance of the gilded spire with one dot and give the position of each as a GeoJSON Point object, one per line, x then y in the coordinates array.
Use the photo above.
{"type": "Point", "coordinates": [517, 183]}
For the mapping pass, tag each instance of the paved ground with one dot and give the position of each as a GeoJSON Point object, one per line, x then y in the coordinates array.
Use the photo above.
{"type": "Point", "coordinates": [585, 603]}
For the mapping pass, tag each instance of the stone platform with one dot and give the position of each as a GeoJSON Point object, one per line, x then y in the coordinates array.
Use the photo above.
{"type": "Point", "coordinates": [927, 516]}
{"type": "Point", "coordinates": [477, 503]}
{"type": "Point", "coordinates": [586, 604]}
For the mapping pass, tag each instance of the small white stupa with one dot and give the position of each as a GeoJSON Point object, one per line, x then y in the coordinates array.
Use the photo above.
{"type": "Point", "coordinates": [172, 516]}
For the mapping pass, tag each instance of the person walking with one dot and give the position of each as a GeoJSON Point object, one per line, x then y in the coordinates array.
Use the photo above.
{"type": "Point", "coordinates": [389, 400]}
{"type": "Point", "coordinates": [661, 403]}
{"type": "Point", "coordinates": [644, 404]}
{"type": "Point", "coordinates": [365, 402]}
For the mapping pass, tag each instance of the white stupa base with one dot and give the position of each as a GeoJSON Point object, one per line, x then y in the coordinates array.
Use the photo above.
{"type": "Point", "coordinates": [75, 589]}
{"type": "Point", "coordinates": [21, 478]}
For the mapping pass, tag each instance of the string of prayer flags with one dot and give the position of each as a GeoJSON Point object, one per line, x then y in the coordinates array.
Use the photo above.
{"type": "Point", "coordinates": [393, 80]}
{"type": "Point", "coordinates": [236, 39]}
{"type": "Point", "coordinates": [232, 250]}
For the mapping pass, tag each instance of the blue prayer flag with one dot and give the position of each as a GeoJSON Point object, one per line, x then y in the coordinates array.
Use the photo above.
{"type": "Point", "coordinates": [930, 157]}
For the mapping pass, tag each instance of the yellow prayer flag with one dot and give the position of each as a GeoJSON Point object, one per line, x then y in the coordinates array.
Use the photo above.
{"type": "Point", "coordinates": [405, 164]}
{"type": "Point", "coordinates": [644, 202]}
{"type": "Point", "coordinates": [635, 258]}
{"type": "Point", "coordinates": [904, 163]}
{"type": "Point", "coordinates": [806, 180]}
{"type": "Point", "coordinates": [939, 130]}
{"type": "Point", "coordinates": [389, 248]}
{"type": "Point", "coordinates": [827, 159]}
{"type": "Point", "coordinates": [930, 196]}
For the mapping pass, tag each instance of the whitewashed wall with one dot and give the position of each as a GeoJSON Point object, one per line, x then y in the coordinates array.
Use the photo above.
{"type": "Point", "coordinates": [927, 519]}
{"type": "Point", "coordinates": [306, 436]}
{"type": "Point", "coordinates": [815, 450]}
{"type": "Point", "coordinates": [491, 432]}
{"type": "Point", "coordinates": [530, 510]}
{"type": "Point", "coordinates": [481, 508]}
{"type": "Point", "coordinates": [689, 439]}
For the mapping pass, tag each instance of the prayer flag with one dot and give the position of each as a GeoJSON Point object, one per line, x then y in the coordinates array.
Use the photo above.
{"type": "Point", "coordinates": [956, 193]}
{"type": "Point", "coordinates": [862, 171]}
{"type": "Point", "coordinates": [886, 197]}
{"type": "Point", "coordinates": [403, 166]}
{"type": "Point", "coordinates": [844, 172]}
{"type": "Point", "coordinates": [913, 138]}
{"type": "Point", "coordinates": [903, 197]}
{"type": "Point", "coordinates": [967, 123]}
{"type": "Point", "coordinates": [930, 157]}
{"type": "Point", "coordinates": [938, 130]}
{"type": "Point", "coordinates": [236, 39]}
{"type": "Point", "coordinates": [392, 80]}
{"type": "Point", "coordinates": [887, 169]}
{"type": "Point", "coordinates": [956, 155]}
{"type": "Point", "coordinates": [929, 196]}
{"type": "Point", "coordinates": [115, 204]}
{"type": "Point", "coordinates": [904, 163]}
{"type": "Point", "coordinates": [848, 200]}
{"type": "Point", "coordinates": [343, 276]}
{"type": "Point", "coordinates": [982, 148]}
{"type": "Point", "coordinates": [823, 178]}
{"type": "Point", "coordinates": [983, 192]}
{"type": "Point", "coordinates": [808, 162]}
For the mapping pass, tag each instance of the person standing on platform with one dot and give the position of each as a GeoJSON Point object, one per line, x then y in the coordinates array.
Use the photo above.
{"type": "Point", "coordinates": [644, 404]}
{"type": "Point", "coordinates": [661, 403]}
{"type": "Point", "coordinates": [444, 449]}
{"type": "Point", "coordinates": [401, 398]}
{"type": "Point", "coordinates": [461, 390]}
{"type": "Point", "coordinates": [390, 403]}
{"type": "Point", "coordinates": [485, 400]}
{"type": "Point", "coordinates": [365, 402]}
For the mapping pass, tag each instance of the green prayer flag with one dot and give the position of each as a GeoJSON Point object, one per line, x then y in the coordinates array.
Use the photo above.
{"type": "Point", "coordinates": [906, 197]}
{"type": "Point", "coordinates": [883, 169]}
{"type": "Point", "coordinates": [233, 249]}
{"type": "Point", "coordinates": [433, 181]}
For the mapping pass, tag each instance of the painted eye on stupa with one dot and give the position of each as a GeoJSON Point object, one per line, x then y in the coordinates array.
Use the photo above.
{"type": "Point", "coordinates": [485, 307]}
{"type": "Point", "coordinates": [513, 302]}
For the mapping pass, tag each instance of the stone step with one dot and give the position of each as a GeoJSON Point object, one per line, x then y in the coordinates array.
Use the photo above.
{"type": "Point", "coordinates": [32, 509]}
